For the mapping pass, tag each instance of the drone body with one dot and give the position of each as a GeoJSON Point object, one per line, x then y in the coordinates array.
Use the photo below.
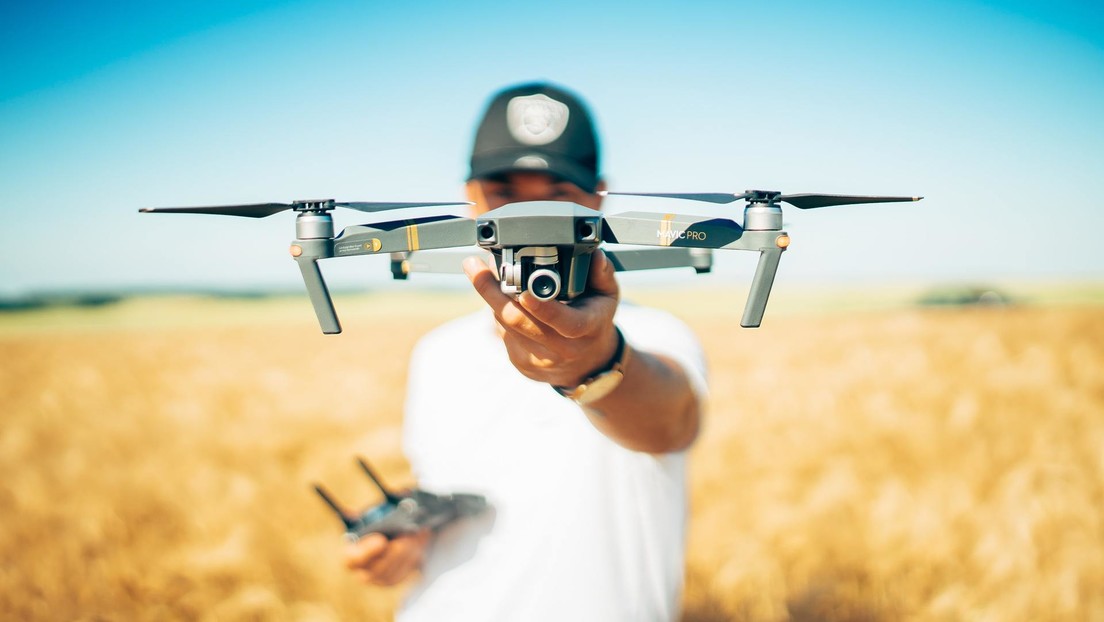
{"type": "Point", "coordinates": [545, 247]}
{"type": "Point", "coordinates": [403, 513]}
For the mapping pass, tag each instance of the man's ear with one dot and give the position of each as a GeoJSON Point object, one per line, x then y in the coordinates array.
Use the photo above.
{"type": "Point", "coordinates": [473, 189]}
{"type": "Point", "coordinates": [598, 188]}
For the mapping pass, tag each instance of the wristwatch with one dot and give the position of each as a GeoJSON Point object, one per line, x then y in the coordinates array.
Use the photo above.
{"type": "Point", "coordinates": [602, 381]}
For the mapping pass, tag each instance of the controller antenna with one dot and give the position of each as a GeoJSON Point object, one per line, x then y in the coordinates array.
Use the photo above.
{"type": "Point", "coordinates": [341, 513]}
{"type": "Point", "coordinates": [391, 497]}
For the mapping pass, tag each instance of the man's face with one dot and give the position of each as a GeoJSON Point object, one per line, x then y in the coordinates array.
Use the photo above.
{"type": "Point", "coordinates": [489, 194]}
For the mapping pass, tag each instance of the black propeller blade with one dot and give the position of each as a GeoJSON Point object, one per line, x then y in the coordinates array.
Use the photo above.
{"type": "Point", "coordinates": [252, 210]}
{"type": "Point", "coordinates": [810, 201]}
{"type": "Point", "coordinates": [381, 207]}
{"type": "Point", "coordinates": [709, 197]}
{"type": "Point", "coordinates": [800, 201]}
{"type": "Point", "coordinates": [261, 210]}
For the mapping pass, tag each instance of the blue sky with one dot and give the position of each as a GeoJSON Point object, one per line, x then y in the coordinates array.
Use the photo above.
{"type": "Point", "coordinates": [992, 110]}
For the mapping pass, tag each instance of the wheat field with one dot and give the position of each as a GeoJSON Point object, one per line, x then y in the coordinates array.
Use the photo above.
{"type": "Point", "coordinates": [892, 464]}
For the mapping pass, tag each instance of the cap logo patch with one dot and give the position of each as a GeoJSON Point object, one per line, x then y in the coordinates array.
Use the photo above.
{"type": "Point", "coordinates": [536, 119]}
{"type": "Point", "coordinates": [531, 161]}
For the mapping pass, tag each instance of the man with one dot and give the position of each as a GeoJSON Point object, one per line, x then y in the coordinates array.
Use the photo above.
{"type": "Point", "coordinates": [570, 418]}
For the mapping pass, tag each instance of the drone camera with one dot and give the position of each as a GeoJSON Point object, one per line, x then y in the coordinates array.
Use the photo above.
{"type": "Point", "coordinates": [544, 284]}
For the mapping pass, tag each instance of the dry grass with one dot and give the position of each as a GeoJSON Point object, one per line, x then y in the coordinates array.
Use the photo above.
{"type": "Point", "coordinates": [895, 465]}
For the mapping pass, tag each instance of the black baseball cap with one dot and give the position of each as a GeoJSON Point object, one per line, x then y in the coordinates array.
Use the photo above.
{"type": "Point", "coordinates": [537, 127]}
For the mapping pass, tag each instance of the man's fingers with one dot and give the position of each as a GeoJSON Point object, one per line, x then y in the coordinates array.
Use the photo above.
{"type": "Point", "coordinates": [410, 563]}
{"type": "Point", "coordinates": [483, 278]}
{"type": "Point", "coordinates": [567, 321]}
{"type": "Point", "coordinates": [365, 550]}
{"type": "Point", "coordinates": [517, 319]}
{"type": "Point", "coordinates": [527, 354]}
{"type": "Point", "coordinates": [401, 556]}
{"type": "Point", "coordinates": [601, 279]}
{"type": "Point", "coordinates": [531, 318]}
{"type": "Point", "coordinates": [586, 315]}
{"type": "Point", "coordinates": [510, 315]}
{"type": "Point", "coordinates": [380, 561]}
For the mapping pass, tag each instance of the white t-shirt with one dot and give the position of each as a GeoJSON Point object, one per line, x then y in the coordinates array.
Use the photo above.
{"type": "Point", "coordinates": [579, 527]}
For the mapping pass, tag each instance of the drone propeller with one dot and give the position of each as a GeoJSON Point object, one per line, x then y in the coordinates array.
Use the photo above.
{"type": "Point", "coordinates": [810, 201]}
{"type": "Point", "coordinates": [381, 207]}
{"type": "Point", "coordinates": [261, 210]}
{"type": "Point", "coordinates": [800, 201]}
{"type": "Point", "coordinates": [708, 197]}
{"type": "Point", "coordinates": [253, 210]}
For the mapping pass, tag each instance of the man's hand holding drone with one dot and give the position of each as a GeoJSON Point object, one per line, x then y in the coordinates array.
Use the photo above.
{"type": "Point", "coordinates": [549, 341]}
{"type": "Point", "coordinates": [653, 409]}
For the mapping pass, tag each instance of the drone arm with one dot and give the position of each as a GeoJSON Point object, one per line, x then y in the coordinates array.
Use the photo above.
{"type": "Point", "coordinates": [674, 230]}
{"type": "Point", "coordinates": [405, 235]}
{"type": "Point", "coordinates": [442, 262]}
{"type": "Point", "coordinates": [690, 232]}
{"type": "Point", "coordinates": [701, 259]}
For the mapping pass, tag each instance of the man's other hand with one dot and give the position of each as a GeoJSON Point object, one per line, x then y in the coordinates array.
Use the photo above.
{"type": "Point", "coordinates": [375, 560]}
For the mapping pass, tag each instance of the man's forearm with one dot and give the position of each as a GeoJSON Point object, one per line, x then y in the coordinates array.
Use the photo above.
{"type": "Point", "coordinates": [654, 409]}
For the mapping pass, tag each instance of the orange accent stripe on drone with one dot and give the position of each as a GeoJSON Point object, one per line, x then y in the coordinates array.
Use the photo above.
{"type": "Point", "coordinates": [412, 237]}
{"type": "Point", "coordinates": [665, 237]}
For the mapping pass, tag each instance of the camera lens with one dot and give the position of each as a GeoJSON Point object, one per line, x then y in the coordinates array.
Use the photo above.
{"type": "Point", "coordinates": [544, 284]}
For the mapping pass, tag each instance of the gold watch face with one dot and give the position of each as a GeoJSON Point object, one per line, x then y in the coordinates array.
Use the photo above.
{"type": "Point", "coordinates": [600, 387]}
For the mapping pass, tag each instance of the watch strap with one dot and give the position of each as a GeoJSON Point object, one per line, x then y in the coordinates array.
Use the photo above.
{"type": "Point", "coordinates": [614, 365]}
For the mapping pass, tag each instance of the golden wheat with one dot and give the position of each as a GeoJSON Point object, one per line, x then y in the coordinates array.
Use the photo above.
{"type": "Point", "coordinates": [895, 465]}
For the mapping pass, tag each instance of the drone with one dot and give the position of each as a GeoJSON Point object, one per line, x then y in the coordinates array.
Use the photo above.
{"type": "Point", "coordinates": [403, 513]}
{"type": "Point", "coordinates": [544, 247]}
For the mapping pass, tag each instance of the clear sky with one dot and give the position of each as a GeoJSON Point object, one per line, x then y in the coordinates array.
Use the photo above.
{"type": "Point", "coordinates": [992, 110]}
